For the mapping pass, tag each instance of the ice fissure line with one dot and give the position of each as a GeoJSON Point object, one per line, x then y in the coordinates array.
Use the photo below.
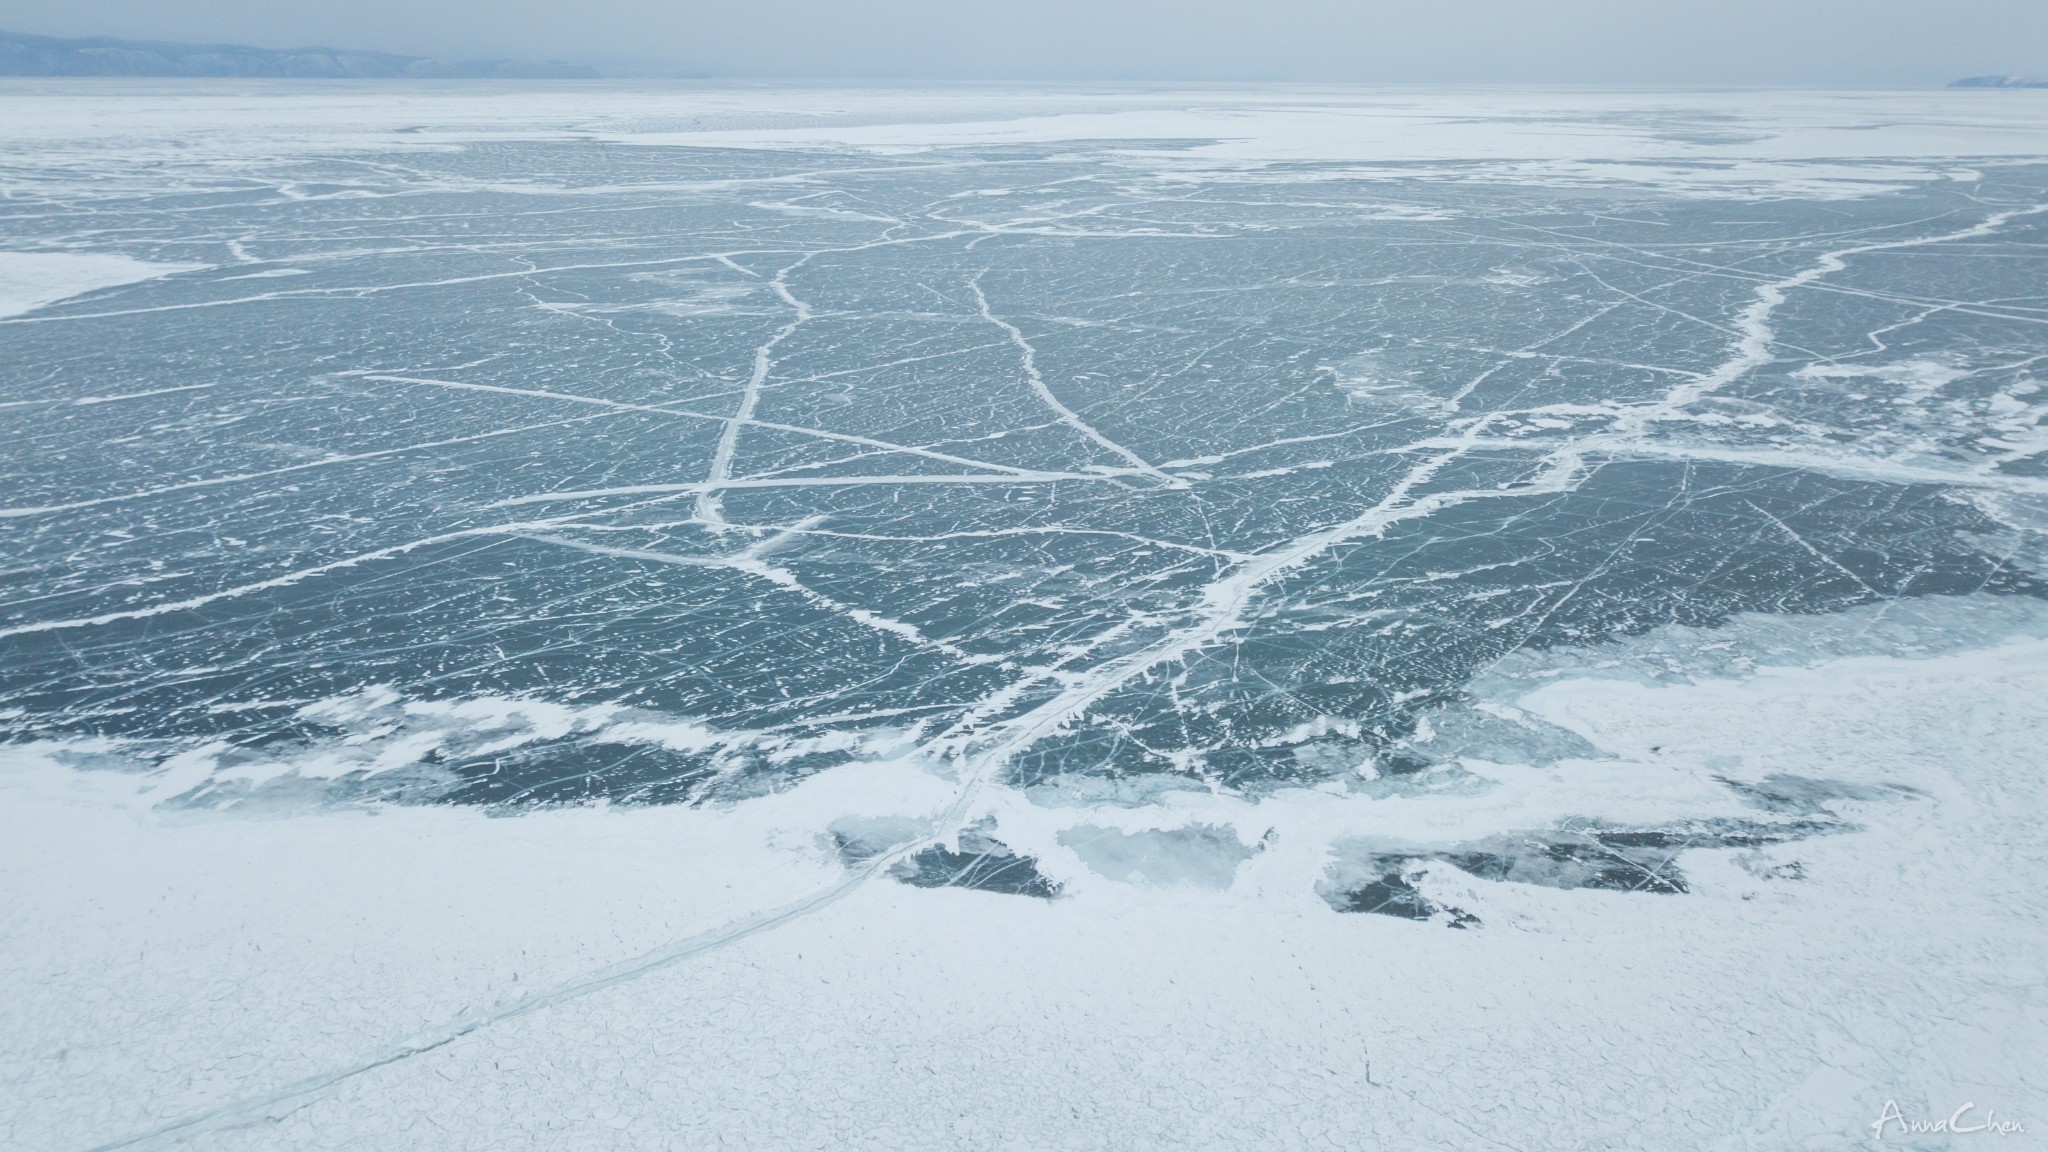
{"type": "Point", "coordinates": [709, 506]}
{"type": "Point", "coordinates": [1752, 349]}
{"type": "Point", "coordinates": [731, 422]}
{"type": "Point", "coordinates": [1066, 415]}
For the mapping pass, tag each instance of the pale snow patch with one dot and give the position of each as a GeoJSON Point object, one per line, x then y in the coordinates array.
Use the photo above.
{"type": "Point", "coordinates": [30, 280]}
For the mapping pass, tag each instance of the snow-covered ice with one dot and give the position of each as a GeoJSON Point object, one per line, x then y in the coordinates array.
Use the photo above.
{"type": "Point", "coordinates": [650, 616]}
{"type": "Point", "coordinates": [29, 280]}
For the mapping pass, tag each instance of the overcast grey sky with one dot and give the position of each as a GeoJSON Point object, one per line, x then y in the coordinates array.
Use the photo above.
{"type": "Point", "coordinates": [1687, 41]}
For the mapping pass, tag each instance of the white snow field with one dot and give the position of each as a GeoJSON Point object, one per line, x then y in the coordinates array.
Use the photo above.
{"type": "Point", "coordinates": [294, 982]}
{"type": "Point", "coordinates": [632, 616]}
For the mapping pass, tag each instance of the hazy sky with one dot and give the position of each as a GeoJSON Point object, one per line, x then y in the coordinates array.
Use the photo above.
{"type": "Point", "coordinates": [1690, 41]}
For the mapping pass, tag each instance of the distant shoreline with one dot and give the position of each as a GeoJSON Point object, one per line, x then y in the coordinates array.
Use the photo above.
{"type": "Point", "coordinates": [23, 55]}
{"type": "Point", "coordinates": [1997, 82]}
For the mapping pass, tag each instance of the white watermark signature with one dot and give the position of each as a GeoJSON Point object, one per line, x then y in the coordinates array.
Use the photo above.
{"type": "Point", "coordinates": [1961, 1122]}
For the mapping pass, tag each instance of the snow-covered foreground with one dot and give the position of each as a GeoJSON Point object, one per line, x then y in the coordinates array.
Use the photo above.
{"type": "Point", "coordinates": [295, 982]}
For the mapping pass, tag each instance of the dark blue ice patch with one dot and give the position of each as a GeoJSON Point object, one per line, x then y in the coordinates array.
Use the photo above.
{"type": "Point", "coordinates": [1365, 879]}
{"type": "Point", "coordinates": [981, 862]}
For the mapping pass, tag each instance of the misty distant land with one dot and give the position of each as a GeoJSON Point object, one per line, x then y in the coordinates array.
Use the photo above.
{"type": "Point", "coordinates": [22, 54]}
{"type": "Point", "coordinates": [25, 55]}
{"type": "Point", "coordinates": [1997, 82]}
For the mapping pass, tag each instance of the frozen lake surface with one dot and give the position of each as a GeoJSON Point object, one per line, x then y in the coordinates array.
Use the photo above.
{"type": "Point", "coordinates": [649, 616]}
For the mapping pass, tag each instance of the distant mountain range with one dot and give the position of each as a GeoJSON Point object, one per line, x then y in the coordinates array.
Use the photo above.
{"type": "Point", "coordinates": [23, 55]}
{"type": "Point", "coordinates": [1997, 82]}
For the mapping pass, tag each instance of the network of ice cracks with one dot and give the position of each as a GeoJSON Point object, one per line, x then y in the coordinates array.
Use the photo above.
{"type": "Point", "coordinates": [1080, 480]}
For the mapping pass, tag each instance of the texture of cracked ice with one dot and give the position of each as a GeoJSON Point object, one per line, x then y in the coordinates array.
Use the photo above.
{"type": "Point", "coordinates": [1124, 499]}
